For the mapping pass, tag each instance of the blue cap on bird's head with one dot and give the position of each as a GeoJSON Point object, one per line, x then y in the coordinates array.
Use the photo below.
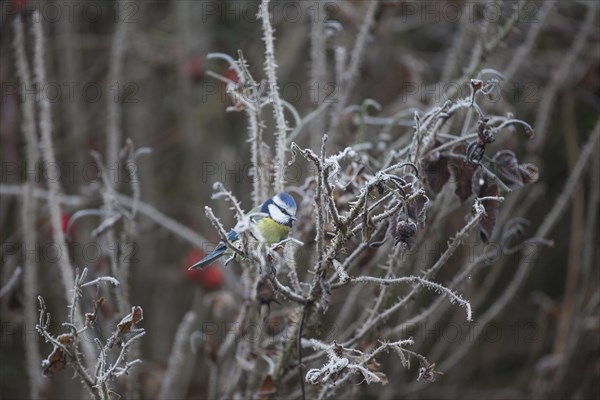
{"type": "Point", "coordinates": [284, 200]}
{"type": "Point", "coordinates": [281, 207]}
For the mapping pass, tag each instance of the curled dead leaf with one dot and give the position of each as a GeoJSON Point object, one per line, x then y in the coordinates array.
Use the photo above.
{"type": "Point", "coordinates": [416, 207]}
{"type": "Point", "coordinates": [267, 388]}
{"type": "Point", "coordinates": [529, 173]}
{"type": "Point", "coordinates": [130, 320]}
{"type": "Point", "coordinates": [463, 175]}
{"type": "Point", "coordinates": [435, 170]}
{"type": "Point", "coordinates": [507, 166]}
{"type": "Point", "coordinates": [57, 360]}
{"type": "Point", "coordinates": [265, 294]}
{"type": "Point", "coordinates": [476, 84]}
{"type": "Point", "coordinates": [382, 378]}
{"type": "Point", "coordinates": [427, 370]}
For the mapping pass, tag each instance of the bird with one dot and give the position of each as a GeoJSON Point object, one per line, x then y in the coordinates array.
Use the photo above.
{"type": "Point", "coordinates": [274, 219]}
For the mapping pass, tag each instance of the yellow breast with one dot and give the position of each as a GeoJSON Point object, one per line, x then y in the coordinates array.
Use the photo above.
{"type": "Point", "coordinates": [272, 231]}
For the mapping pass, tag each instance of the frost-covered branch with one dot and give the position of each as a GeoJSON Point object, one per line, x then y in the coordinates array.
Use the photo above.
{"type": "Point", "coordinates": [274, 97]}
{"type": "Point", "coordinates": [66, 347]}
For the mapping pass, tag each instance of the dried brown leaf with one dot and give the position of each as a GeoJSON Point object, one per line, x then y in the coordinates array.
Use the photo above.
{"type": "Point", "coordinates": [267, 388]}
{"type": "Point", "coordinates": [416, 208]}
{"type": "Point", "coordinates": [57, 360]}
{"type": "Point", "coordinates": [265, 294]}
{"type": "Point", "coordinates": [130, 320]}
{"type": "Point", "coordinates": [463, 175]}
{"type": "Point", "coordinates": [382, 378]}
{"type": "Point", "coordinates": [427, 370]}
{"type": "Point", "coordinates": [529, 173]}
{"type": "Point", "coordinates": [507, 165]}
{"type": "Point", "coordinates": [436, 172]}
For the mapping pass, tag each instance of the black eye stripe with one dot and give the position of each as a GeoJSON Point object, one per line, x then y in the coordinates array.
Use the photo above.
{"type": "Point", "coordinates": [283, 210]}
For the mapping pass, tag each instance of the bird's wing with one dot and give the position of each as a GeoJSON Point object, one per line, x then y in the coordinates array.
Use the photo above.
{"type": "Point", "coordinates": [256, 215]}
{"type": "Point", "coordinates": [232, 236]}
{"type": "Point", "coordinates": [254, 210]}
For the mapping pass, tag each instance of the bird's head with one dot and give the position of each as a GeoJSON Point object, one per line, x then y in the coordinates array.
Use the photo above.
{"type": "Point", "coordinates": [281, 208]}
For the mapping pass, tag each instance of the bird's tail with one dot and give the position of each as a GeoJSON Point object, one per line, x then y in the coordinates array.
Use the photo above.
{"type": "Point", "coordinates": [209, 259]}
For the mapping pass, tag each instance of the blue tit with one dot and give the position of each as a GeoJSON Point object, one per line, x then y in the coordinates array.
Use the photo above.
{"type": "Point", "coordinates": [274, 219]}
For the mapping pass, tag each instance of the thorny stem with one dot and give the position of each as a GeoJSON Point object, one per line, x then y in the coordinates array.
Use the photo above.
{"type": "Point", "coordinates": [113, 131]}
{"type": "Point", "coordinates": [337, 219]}
{"type": "Point", "coordinates": [286, 291]}
{"type": "Point", "coordinates": [299, 350]}
{"type": "Point", "coordinates": [425, 134]}
{"type": "Point", "coordinates": [435, 306]}
{"type": "Point", "coordinates": [318, 73]}
{"type": "Point", "coordinates": [452, 247]}
{"type": "Point", "coordinates": [45, 123]}
{"type": "Point", "coordinates": [452, 143]}
{"type": "Point", "coordinates": [316, 290]}
{"type": "Point", "coordinates": [222, 233]}
{"type": "Point", "coordinates": [113, 215]}
{"type": "Point", "coordinates": [349, 260]}
{"type": "Point", "coordinates": [221, 192]}
{"type": "Point", "coordinates": [110, 176]}
{"type": "Point", "coordinates": [76, 293]}
{"type": "Point", "coordinates": [416, 280]}
{"type": "Point", "coordinates": [29, 208]}
{"type": "Point", "coordinates": [255, 130]}
{"type": "Point", "coordinates": [392, 264]}
{"type": "Point", "coordinates": [110, 372]}
{"type": "Point", "coordinates": [321, 181]}
{"type": "Point", "coordinates": [280, 122]}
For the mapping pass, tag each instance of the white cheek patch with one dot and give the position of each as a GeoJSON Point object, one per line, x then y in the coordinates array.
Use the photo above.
{"type": "Point", "coordinates": [277, 215]}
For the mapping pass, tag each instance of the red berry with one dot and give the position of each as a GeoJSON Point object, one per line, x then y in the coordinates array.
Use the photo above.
{"type": "Point", "coordinates": [65, 219]}
{"type": "Point", "coordinates": [192, 68]}
{"type": "Point", "coordinates": [232, 75]}
{"type": "Point", "coordinates": [19, 6]}
{"type": "Point", "coordinates": [210, 277]}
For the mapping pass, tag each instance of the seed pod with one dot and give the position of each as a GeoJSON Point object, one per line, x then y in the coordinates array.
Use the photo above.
{"type": "Point", "coordinates": [405, 230]}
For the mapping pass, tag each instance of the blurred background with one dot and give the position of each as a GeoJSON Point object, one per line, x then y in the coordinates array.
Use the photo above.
{"type": "Point", "coordinates": [545, 344]}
